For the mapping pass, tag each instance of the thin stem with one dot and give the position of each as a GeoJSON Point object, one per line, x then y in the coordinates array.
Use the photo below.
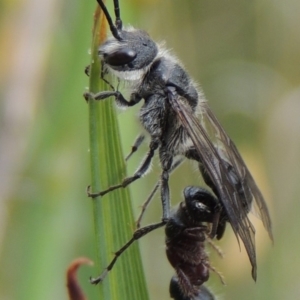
{"type": "Point", "coordinates": [113, 218]}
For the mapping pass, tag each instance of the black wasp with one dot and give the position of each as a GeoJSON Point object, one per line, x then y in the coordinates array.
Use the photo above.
{"type": "Point", "coordinates": [187, 232]}
{"type": "Point", "coordinates": [175, 292]}
{"type": "Point", "coordinates": [180, 122]}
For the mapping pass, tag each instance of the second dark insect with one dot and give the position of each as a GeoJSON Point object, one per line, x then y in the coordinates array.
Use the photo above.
{"type": "Point", "coordinates": [187, 233]}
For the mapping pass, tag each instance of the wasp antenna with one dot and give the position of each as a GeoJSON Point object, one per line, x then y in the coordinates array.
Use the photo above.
{"type": "Point", "coordinates": [118, 21]}
{"type": "Point", "coordinates": [114, 29]}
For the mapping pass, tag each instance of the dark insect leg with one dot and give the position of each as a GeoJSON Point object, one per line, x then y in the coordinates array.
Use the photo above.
{"type": "Point", "coordinates": [142, 170]}
{"type": "Point", "coordinates": [218, 273]}
{"type": "Point", "coordinates": [215, 224]}
{"type": "Point", "coordinates": [137, 235]}
{"type": "Point", "coordinates": [146, 203]}
{"type": "Point", "coordinates": [87, 70]}
{"type": "Point", "coordinates": [119, 98]}
{"type": "Point", "coordinates": [99, 96]}
{"type": "Point", "coordinates": [195, 233]}
{"type": "Point", "coordinates": [214, 246]}
{"type": "Point", "coordinates": [104, 71]}
{"type": "Point", "coordinates": [164, 188]}
{"type": "Point", "coordinates": [217, 227]}
{"type": "Point", "coordinates": [151, 195]}
{"type": "Point", "coordinates": [193, 154]}
{"type": "Point", "coordinates": [137, 143]}
{"type": "Point", "coordinates": [221, 229]}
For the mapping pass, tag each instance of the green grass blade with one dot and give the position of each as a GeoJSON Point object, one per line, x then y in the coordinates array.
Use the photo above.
{"type": "Point", "coordinates": [113, 217]}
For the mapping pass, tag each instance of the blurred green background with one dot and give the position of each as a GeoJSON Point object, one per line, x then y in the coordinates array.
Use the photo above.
{"type": "Point", "coordinates": [245, 54]}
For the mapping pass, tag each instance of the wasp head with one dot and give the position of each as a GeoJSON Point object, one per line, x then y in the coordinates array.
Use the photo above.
{"type": "Point", "coordinates": [128, 56]}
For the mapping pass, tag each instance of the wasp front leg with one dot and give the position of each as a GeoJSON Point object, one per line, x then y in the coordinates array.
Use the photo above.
{"type": "Point", "coordinates": [119, 98]}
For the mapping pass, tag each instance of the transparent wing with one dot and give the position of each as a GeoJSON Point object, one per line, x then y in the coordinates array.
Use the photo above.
{"type": "Point", "coordinates": [244, 175]}
{"type": "Point", "coordinates": [226, 169]}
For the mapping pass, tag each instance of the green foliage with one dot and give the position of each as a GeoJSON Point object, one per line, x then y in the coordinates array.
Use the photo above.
{"type": "Point", "coordinates": [114, 210]}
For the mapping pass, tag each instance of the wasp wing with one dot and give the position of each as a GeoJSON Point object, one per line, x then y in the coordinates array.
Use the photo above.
{"type": "Point", "coordinates": [235, 193]}
{"type": "Point", "coordinates": [241, 169]}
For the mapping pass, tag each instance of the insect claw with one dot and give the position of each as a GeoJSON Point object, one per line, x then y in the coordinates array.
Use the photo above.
{"type": "Point", "coordinates": [95, 280]}
{"type": "Point", "coordinates": [87, 96]}
{"type": "Point", "coordinates": [100, 278]}
{"type": "Point", "coordinates": [91, 195]}
{"type": "Point", "coordinates": [87, 70]}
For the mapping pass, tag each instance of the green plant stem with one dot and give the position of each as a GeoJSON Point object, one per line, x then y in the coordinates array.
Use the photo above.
{"type": "Point", "coordinates": [113, 217]}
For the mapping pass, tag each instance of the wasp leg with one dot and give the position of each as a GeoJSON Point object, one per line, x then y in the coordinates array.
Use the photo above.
{"type": "Point", "coordinates": [137, 143]}
{"type": "Point", "coordinates": [142, 170]}
{"type": "Point", "coordinates": [119, 98]}
{"type": "Point", "coordinates": [153, 192]}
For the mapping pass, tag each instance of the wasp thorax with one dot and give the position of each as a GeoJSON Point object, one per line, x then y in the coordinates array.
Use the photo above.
{"type": "Point", "coordinates": [135, 51]}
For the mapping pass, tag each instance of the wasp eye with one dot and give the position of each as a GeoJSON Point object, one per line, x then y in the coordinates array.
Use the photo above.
{"type": "Point", "coordinates": [120, 57]}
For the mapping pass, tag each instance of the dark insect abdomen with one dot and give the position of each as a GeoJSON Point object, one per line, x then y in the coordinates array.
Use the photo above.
{"type": "Point", "coordinates": [185, 252]}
